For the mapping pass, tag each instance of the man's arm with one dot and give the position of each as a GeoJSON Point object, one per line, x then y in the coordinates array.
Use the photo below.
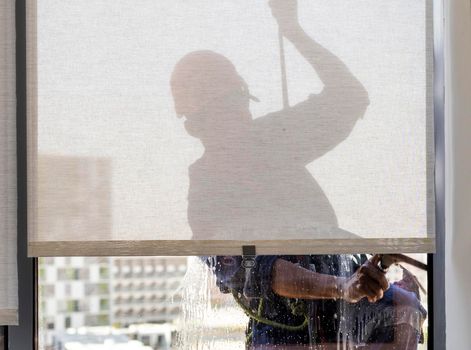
{"type": "Point", "coordinates": [311, 128]}
{"type": "Point", "coordinates": [334, 74]}
{"type": "Point", "coordinates": [292, 281]}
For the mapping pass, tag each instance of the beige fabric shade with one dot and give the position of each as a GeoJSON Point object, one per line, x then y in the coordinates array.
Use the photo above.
{"type": "Point", "coordinates": [189, 128]}
{"type": "Point", "coordinates": [8, 272]}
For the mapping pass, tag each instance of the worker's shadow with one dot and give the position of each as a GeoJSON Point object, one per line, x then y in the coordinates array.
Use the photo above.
{"type": "Point", "coordinates": [251, 183]}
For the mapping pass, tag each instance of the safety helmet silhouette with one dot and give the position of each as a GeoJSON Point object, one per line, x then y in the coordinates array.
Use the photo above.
{"type": "Point", "coordinates": [202, 77]}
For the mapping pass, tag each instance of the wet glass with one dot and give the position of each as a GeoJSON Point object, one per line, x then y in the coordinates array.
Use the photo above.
{"type": "Point", "coordinates": [352, 301]}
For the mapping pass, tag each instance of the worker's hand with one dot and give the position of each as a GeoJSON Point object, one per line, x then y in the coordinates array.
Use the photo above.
{"type": "Point", "coordinates": [285, 13]}
{"type": "Point", "coordinates": [368, 281]}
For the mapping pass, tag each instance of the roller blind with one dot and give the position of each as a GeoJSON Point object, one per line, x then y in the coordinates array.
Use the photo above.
{"type": "Point", "coordinates": [8, 272]}
{"type": "Point", "coordinates": [197, 127]}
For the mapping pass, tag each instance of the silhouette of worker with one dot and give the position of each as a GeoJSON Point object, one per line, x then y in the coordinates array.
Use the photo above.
{"type": "Point", "coordinates": [252, 182]}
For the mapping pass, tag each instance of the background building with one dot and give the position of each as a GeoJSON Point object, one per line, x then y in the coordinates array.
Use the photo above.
{"type": "Point", "coordinates": [76, 292]}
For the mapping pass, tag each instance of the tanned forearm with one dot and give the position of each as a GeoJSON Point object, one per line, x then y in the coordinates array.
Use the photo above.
{"type": "Point", "coordinates": [293, 281]}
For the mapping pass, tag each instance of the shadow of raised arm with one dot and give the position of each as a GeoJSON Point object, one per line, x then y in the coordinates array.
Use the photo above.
{"type": "Point", "coordinates": [316, 125]}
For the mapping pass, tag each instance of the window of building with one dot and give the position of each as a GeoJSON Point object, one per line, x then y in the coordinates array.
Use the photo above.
{"type": "Point", "coordinates": [221, 305]}
{"type": "Point", "coordinates": [197, 305]}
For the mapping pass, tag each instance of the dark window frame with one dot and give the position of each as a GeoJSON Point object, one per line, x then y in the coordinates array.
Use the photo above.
{"type": "Point", "coordinates": [25, 336]}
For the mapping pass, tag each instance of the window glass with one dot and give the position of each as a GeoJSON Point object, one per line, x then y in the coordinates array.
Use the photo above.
{"type": "Point", "coordinates": [282, 302]}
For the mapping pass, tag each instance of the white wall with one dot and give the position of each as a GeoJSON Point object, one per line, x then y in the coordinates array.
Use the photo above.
{"type": "Point", "coordinates": [458, 172]}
